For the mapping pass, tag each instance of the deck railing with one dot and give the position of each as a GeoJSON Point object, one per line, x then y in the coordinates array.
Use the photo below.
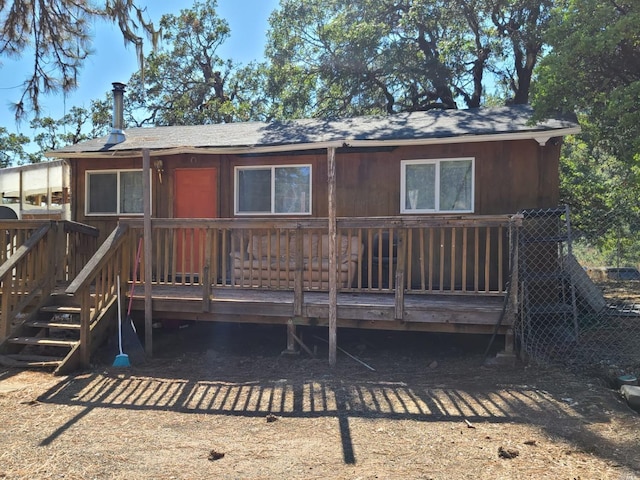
{"type": "Point", "coordinates": [417, 254]}
{"type": "Point", "coordinates": [35, 255]}
{"type": "Point", "coordinates": [28, 272]}
{"type": "Point", "coordinates": [95, 285]}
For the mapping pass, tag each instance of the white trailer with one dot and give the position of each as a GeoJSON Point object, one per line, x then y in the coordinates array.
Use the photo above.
{"type": "Point", "coordinates": [36, 191]}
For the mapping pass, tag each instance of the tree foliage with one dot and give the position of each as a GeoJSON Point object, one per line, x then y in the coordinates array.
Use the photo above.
{"type": "Point", "coordinates": [186, 82]}
{"type": "Point", "coordinates": [594, 69]}
{"type": "Point", "coordinates": [12, 148]}
{"type": "Point", "coordinates": [57, 35]}
{"type": "Point", "coordinates": [343, 58]}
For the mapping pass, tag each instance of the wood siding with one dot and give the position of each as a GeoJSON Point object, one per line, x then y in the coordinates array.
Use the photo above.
{"type": "Point", "coordinates": [509, 176]}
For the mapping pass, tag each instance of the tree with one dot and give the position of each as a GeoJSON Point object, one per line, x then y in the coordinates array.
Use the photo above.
{"type": "Point", "coordinates": [12, 151]}
{"type": "Point", "coordinates": [594, 69]}
{"type": "Point", "coordinates": [57, 34]}
{"type": "Point", "coordinates": [185, 81]}
{"type": "Point", "coordinates": [344, 58]}
{"type": "Point", "coordinates": [74, 127]}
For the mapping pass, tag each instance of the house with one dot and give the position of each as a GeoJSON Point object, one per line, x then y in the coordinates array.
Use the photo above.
{"type": "Point", "coordinates": [397, 222]}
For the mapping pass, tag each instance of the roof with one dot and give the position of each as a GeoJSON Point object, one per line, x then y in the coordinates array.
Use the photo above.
{"type": "Point", "coordinates": [433, 126]}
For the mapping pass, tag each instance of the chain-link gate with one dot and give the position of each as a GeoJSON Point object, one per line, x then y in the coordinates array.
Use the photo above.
{"type": "Point", "coordinates": [563, 316]}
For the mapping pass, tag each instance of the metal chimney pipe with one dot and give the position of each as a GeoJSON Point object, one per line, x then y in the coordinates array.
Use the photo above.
{"type": "Point", "coordinates": [117, 125]}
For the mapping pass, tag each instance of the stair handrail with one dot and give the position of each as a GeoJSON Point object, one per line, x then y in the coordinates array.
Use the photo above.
{"type": "Point", "coordinates": [99, 259]}
{"type": "Point", "coordinates": [100, 271]}
{"type": "Point", "coordinates": [13, 304]}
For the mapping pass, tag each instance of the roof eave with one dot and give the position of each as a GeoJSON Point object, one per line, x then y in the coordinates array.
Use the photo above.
{"type": "Point", "coordinates": [540, 136]}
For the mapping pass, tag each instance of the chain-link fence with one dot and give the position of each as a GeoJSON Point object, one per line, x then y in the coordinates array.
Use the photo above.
{"type": "Point", "coordinates": [566, 312]}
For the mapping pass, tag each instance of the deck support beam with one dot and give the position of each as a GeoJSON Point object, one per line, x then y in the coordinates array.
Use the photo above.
{"type": "Point", "coordinates": [333, 264]}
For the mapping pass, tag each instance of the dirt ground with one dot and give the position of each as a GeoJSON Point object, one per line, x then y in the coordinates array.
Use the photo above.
{"type": "Point", "coordinates": [219, 401]}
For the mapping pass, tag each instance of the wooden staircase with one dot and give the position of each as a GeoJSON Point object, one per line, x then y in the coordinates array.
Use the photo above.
{"type": "Point", "coordinates": [49, 338]}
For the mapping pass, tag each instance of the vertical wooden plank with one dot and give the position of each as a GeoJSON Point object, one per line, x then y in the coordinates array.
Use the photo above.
{"type": "Point", "coordinates": [442, 239]}
{"type": "Point", "coordinates": [166, 235]}
{"type": "Point", "coordinates": [500, 261]}
{"type": "Point", "coordinates": [59, 252]}
{"type": "Point", "coordinates": [400, 267]}
{"type": "Point", "coordinates": [85, 327]}
{"type": "Point", "coordinates": [333, 264]}
{"type": "Point", "coordinates": [206, 271]}
{"type": "Point", "coordinates": [148, 252]}
{"type": "Point", "coordinates": [423, 260]}
{"type": "Point", "coordinates": [487, 259]}
{"type": "Point", "coordinates": [4, 312]}
{"type": "Point", "coordinates": [379, 257]}
{"type": "Point", "coordinates": [409, 261]}
{"type": "Point", "coordinates": [361, 257]}
{"type": "Point", "coordinates": [464, 259]}
{"type": "Point", "coordinates": [514, 233]}
{"type": "Point", "coordinates": [452, 274]}
{"type": "Point", "coordinates": [476, 260]}
{"type": "Point", "coordinates": [431, 247]}
{"type": "Point", "coordinates": [369, 258]}
{"type": "Point", "coordinates": [298, 295]}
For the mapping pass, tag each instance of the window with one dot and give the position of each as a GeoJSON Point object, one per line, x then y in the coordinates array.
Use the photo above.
{"type": "Point", "coordinates": [441, 185]}
{"type": "Point", "coordinates": [278, 190]}
{"type": "Point", "coordinates": [114, 192]}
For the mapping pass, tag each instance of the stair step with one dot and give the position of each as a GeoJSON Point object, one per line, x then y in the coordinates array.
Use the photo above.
{"type": "Point", "coordinates": [52, 324]}
{"type": "Point", "coordinates": [61, 309]}
{"type": "Point", "coordinates": [45, 342]}
{"type": "Point", "coordinates": [34, 360]}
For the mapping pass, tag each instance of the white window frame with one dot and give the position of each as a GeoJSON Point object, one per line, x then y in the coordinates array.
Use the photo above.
{"type": "Point", "coordinates": [88, 173]}
{"type": "Point", "coordinates": [436, 162]}
{"type": "Point", "coordinates": [236, 193]}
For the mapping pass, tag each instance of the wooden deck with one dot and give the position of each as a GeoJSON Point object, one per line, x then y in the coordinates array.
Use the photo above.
{"type": "Point", "coordinates": [438, 313]}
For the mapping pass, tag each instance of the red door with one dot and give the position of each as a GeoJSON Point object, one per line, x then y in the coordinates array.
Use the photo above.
{"type": "Point", "coordinates": [195, 195]}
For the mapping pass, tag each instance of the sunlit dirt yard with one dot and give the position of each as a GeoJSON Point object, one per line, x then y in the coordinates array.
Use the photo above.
{"type": "Point", "coordinates": [219, 401]}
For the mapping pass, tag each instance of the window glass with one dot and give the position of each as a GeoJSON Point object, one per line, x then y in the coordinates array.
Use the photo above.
{"type": "Point", "coordinates": [103, 189]}
{"type": "Point", "coordinates": [254, 190]}
{"type": "Point", "coordinates": [421, 187]}
{"type": "Point", "coordinates": [292, 189]}
{"type": "Point", "coordinates": [439, 185]}
{"type": "Point", "coordinates": [131, 192]}
{"type": "Point", "coordinates": [455, 185]}
{"type": "Point", "coordinates": [274, 189]}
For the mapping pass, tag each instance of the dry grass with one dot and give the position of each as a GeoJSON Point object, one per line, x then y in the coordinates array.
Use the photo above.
{"type": "Point", "coordinates": [222, 403]}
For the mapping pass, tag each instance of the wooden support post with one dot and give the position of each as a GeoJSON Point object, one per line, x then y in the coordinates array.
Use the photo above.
{"type": "Point", "coordinates": [291, 339]}
{"type": "Point", "coordinates": [333, 264]}
{"type": "Point", "coordinates": [148, 253]}
{"type": "Point", "coordinates": [400, 268]}
{"type": "Point", "coordinates": [509, 340]}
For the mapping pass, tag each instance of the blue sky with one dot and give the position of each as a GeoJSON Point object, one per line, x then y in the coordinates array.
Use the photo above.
{"type": "Point", "coordinates": [111, 61]}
